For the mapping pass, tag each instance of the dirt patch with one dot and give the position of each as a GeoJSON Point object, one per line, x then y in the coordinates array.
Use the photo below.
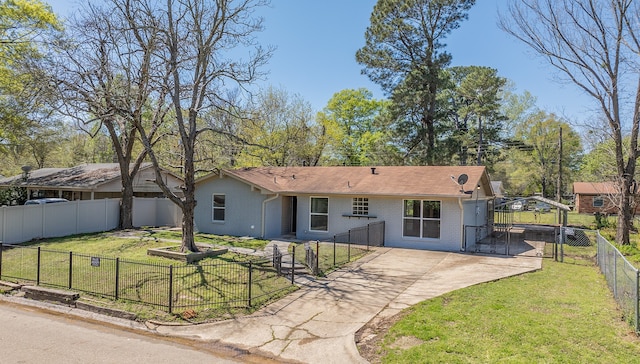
{"type": "Point", "coordinates": [369, 338]}
{"type": "Point", "coordinates": [407, 342]}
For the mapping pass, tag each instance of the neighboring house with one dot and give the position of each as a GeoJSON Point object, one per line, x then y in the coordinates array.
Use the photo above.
{"type": "Point", "coordinates": [591, 197]}
{"type": "Point", "coordinates": [88, 182]}
{"type": "Point", "coordinates": [498, 190]}
{"type": "Point", "coordinates": [423, 207]}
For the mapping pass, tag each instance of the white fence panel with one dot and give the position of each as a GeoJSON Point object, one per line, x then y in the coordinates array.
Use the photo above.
{"type": "Point", "coordinates": [24, 223]}
{"type": "Point", "coordinates": [168, 213]}
{"type": "Point", "coordinates": [58, 219]}
{"type": "Point", "coordinates": [144, 212]}
{"type": "Point", "coordinates": [156, 212]}
{"type": "Point", "coordinates": [97, 215]}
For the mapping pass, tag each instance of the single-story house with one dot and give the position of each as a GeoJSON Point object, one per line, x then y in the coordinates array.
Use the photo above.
{"type": "Point", "coordinates": [591, 197]}
{"type": "Point", "coordinates": [424, 207]}
{"type": "Point", "coordinates": [88, 182]}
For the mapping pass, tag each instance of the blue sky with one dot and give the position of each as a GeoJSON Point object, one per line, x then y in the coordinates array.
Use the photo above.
{"type": "Point", "coordinates": [316, 43]}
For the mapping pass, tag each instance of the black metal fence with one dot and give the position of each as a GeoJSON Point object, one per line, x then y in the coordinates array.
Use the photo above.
{"type": "Point", "coordinates": [323, 257]}
{"type": "Point", "coordinates": [217, 285]}
{"type": "Point", "coordinates": [370, 235]}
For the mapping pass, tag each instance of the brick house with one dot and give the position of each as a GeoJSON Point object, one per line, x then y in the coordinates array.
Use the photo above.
{"type": "Point", "coordinates": [591, 197]}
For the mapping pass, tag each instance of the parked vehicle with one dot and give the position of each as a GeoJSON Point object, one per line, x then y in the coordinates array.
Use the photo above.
{"type": "Point", "coordinates": [41, 201]}
{"type": "Point", "coordinates": [542, 207]}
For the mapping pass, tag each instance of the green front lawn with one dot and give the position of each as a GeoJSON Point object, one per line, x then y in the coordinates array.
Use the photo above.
{"type": "Point", "coordinates": [135, 246]}
{"type": "Point", "coordinates": [561, 314]}
{"type": "Point", "coordinates": [213, 287]}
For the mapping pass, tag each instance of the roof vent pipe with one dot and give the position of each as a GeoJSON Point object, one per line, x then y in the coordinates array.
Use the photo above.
{"type": "Point", "coordinates": [373, 170]}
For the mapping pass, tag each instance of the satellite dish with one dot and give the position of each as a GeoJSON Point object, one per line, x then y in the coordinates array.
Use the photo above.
{"type": "Point", "coordinates": [462, 179]}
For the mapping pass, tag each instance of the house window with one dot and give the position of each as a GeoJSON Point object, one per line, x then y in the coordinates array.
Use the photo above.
{"type": "Point", "coordinates": [219, 207]}
{"type": "Point", "coordinates": [360, 206]}
{"type": "Point", "coordinates": [421, 219]}
{"type": "Point", "coordinates": [598, 201]}
{"type": "Point", "coordinates": [319, 219]}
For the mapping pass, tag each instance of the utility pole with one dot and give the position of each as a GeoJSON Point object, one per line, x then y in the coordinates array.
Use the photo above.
{"type": "Point", "coordinates": [559, 190]}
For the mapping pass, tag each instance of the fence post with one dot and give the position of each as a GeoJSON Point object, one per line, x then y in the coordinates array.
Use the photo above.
{"type": "Point", "coordinates": [250, 278]}
{"type": "Point", "coordinates": [317, 256]}
{"type": "Point", "coordinates": [637, 301]}
{"type": "Point", "coordinates": [615, 275]}
{"type": "Point", "coordinates": [293, 264]}
{"type": "Point", "coordinates": [334, 250]}
{"type": "Point", "coordinates": [1, 249]}
{"type": "Point", "coordinates": [368, 236]}
{"type": "Point", "coordinates": [70, 270]}
{"type": "Point", "coordinates": [117, 277]}
{"type": "Point", "coordinates": [171, 288]}
{"type": "Point", "coordinates": [561, 245]}
{"type": "Point", "coordinates": [38, 269]}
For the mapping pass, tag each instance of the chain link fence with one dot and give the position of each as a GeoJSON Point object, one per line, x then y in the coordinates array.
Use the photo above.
{"type": "Point", "coordinates": [577, 246]}
{"type": "Point", "coordinates": [623, 280]}
{"type": "Point", "coordinates": [581, 246]}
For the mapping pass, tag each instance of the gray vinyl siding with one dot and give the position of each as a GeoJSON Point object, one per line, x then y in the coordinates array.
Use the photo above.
{"type": "Point", "coordinates": [243, 215]}
{"type": "Point", "coordinates": [388, 209]}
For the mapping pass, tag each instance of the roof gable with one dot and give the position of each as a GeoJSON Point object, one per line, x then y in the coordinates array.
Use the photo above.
{"type": "Point", "coordinates": [384, 180]}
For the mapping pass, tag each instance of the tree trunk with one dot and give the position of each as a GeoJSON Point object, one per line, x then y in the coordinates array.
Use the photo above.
{"type": "Point", "coordinates": [188, 241]}
{"type": "Point", "coordinates": [126, 207]}
{"type": "Point", "coordinates": [126, 200]}
{"type": "Point", "coordinates": [625, 214]}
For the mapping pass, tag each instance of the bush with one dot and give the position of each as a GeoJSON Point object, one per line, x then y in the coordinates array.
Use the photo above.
{"type": "Point", "coordinates": [603, 222]}
{"type": "Point", "coordinates": [13, 195]}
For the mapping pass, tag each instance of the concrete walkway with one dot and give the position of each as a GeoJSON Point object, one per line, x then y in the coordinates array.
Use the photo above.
{"type": "Point", "coordinates": [317, 323]}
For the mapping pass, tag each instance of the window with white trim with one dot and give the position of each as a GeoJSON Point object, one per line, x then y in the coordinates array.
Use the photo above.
{"type": "Point", "coordinates": [421, 219]}
{"type": "Point", "coordinates": [598, 201]}
{"type": "Point", "coordinates": [319, 214]}
{"type": "Point", "coordinates": [219, 207]}
{"type": "Point", "coordinates": [360, 206]}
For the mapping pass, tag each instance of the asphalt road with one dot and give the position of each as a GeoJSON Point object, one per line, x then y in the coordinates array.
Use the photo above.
{"type": "Point", "coordinates": [31, 335]}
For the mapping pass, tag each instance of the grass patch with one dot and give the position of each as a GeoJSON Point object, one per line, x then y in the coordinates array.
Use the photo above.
{"type": "Point", "coordinates": [585, 221]}
{"type": "Point", "coordinates": [231, 241]}
{"type": "Point", "coordinates": [563, 314]}
{"type": "Point", "coordinates": [331, 256]}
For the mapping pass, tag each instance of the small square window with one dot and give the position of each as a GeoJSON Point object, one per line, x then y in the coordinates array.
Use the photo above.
{"type": "Point", "coordinates": [360, 206]}
{"type": "Point", "coordinates": [598, 201]}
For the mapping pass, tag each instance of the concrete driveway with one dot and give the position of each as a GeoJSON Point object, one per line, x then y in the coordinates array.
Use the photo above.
{"type": "Point", "coordinates": [317, 323]}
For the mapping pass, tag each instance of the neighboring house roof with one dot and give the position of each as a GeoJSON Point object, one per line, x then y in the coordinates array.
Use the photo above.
{"type": "Point", "coordinates": [594, 188]}
{"type": "Point", "coordinates": [82, 177]}
{"type": "Point", "coordinates": [498, 188]}
{"type": "Point", "coordinates": [385, 180]}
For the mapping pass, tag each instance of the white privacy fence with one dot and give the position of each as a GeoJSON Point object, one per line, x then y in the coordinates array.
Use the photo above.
{"type": "Point", "coordinates": [24, 223]}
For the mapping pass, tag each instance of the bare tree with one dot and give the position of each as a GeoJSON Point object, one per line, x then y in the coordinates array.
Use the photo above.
{"type": "Point", "coordinates": [104, 80]}
{"type": "Point", "coordinates": [199, 48]}
{"type": "Point", "coordinates": [596, 45]}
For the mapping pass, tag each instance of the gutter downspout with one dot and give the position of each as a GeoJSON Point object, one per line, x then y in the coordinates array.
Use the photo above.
{"type": "Point", "coordinates": [462, 232]}
{"type": "Point", "coordinates": [264, 208]}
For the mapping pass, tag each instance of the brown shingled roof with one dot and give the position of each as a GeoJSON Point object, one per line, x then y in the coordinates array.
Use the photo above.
{"type": "Point", "coordinates": [594, 188]}
{"type": "Point", "coordinates": [82, 176]}
{"type": "Point", "coordinates": [387, 180]}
